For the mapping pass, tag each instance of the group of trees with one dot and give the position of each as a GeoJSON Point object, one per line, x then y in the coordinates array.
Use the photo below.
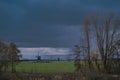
{"type": "Point", "coordinates": [9, 56]}
{"type": "Point", "coordinates": [103, 33]}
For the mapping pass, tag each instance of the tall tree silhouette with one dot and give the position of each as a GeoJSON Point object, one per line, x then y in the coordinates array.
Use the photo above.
{"type": "Point", "coordinates": [14, 55]}
{"type": "Point", "coordinates": [3, 56]}
{"type": "Point", "coordinates": [105, 29]}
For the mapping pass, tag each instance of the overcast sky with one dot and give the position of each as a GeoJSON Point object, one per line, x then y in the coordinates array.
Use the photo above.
{"type": "Point", "coordinates": [48, 23]}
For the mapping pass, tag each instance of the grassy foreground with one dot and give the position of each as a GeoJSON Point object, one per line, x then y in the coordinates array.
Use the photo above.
{"type": "Point", "coordinates": [62, 66]}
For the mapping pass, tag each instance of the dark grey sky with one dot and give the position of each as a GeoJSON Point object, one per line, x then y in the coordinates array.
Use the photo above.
{"type": "Point", "coordinates": [48, 23]}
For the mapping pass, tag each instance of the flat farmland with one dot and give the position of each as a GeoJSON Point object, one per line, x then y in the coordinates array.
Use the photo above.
{"type": "Point", "coordinates": [60, 66]}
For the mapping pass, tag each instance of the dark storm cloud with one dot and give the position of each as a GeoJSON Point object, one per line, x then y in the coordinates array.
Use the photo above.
{"type": "Point", "coordinates": [47, 23]}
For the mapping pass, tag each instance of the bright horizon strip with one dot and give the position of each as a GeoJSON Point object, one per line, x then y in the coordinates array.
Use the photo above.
{"type": "Point", "coordinates": [44, 51]}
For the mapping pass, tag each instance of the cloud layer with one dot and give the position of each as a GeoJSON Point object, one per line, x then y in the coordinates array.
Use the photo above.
{"type": "Point", "coordinates": [48, 23]}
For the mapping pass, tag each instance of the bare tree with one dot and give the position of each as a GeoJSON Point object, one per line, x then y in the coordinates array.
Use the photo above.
{"type": "Point", "coordinates": [77, 58]}
{"type": "Point", "coordinates": [106, 29]}
{"type": "Point", "coordinates": [3, 56]}
{"type": "Point", "coordinates": [86, 28]}
{"type": "Point", "coordinates": [80, 55]}
{"type": "Point", "coordinates": [14, 55]}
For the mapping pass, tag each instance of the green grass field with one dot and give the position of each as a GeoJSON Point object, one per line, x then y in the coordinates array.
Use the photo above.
{"type": "Point", "coordinates": [62, 66]}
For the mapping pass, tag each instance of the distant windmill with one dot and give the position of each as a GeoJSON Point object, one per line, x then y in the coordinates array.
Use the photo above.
{"type": "Point", "coordinates": [38, 57]}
